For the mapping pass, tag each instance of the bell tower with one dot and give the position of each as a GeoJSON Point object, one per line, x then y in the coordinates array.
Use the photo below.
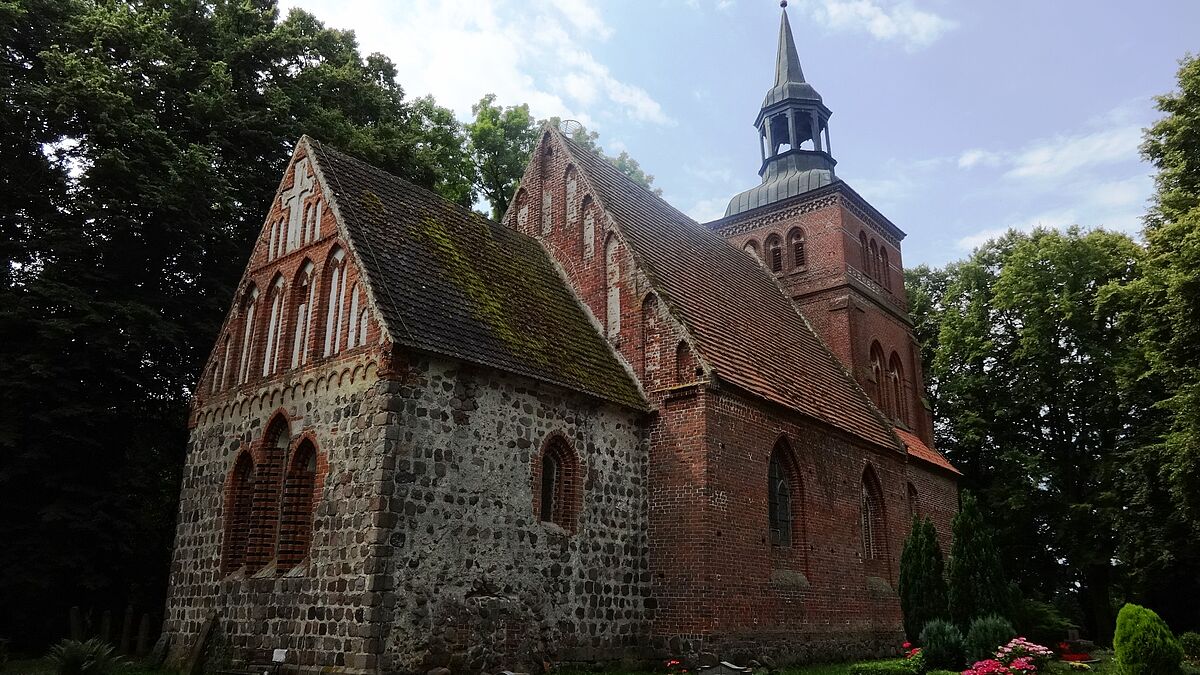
{"type": "Point", "coordinates": [836, 255]}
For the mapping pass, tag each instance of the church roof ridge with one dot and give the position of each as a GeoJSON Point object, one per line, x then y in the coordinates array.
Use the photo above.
{"type": "Point", "coordinates": [456, 283]}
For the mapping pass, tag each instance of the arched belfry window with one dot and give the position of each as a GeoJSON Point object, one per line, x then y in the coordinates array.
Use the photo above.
{"type": "Point", "coordinates": [612, 267]}
{"type": "Point", "coordinates": [299, 502]}
{"type": "Point", "coordinates": [335, 281]}
{"type": "Point", "coordinates": [873, 268]}
{"type": "Point", "coordinates": [557, 492]}
{"type": "Point", "coordinates": [238, 512]}
{"type": "Point", "coordinates": [873, 531]}
{"type": "Point", "coordinates": [274, 328]}
{"type": "Point", "coordinates": [896, 382]}
{"type": "Point", "coordinates": [783, 497]}
{"type": "Point", "coordinates": [796, 248]}
{"type": "Point", "coordinates": [886, 268]}
{"type": "Point", "coordinates": [773, 250]}
{"type": "Point", "coordinates": [304, 295]}
{"type": "Point", "coordinates": [865, 266]}
{"type": "Point", "coordinates": [249, 309]}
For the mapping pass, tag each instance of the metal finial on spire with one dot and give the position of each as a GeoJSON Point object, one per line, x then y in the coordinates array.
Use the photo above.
{"type": "Point", "coordinates": [783, 4]}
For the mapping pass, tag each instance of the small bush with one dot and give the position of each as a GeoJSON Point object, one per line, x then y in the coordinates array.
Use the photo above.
{"type": "Point", "coordinates": [889, 667]}
{"type": "Point", "coordinates": [94, 657]}
{"type": "Point", "coordinates": [1190, 642]}
{"type": "Point", "coordinates": [1144, 645]}
{"type": "Point", "coordinates": [942, 645]}
{"type": "Point", "coordinates": [986, 635]}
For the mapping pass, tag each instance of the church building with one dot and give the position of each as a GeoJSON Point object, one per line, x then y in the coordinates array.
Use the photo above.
{"type": "Point", "coordinates": [596, 431]}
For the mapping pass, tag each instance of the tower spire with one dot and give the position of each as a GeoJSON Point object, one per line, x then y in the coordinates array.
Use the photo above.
{"type": "Point", "coordinates": [793, 132]}
{"type": "Point", "coordinates": [787, 62]}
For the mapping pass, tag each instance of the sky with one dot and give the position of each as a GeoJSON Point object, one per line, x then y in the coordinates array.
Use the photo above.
{"type": "Point", "coordinates": [957, 119]}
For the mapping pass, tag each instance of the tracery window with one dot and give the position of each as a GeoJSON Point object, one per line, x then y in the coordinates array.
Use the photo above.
{"type": "Point", "coordinates": [896, 380]}
{"type": "Point", "coordinates": [872, 516]}
{"type": "Point", "coordinates": [783, 496]}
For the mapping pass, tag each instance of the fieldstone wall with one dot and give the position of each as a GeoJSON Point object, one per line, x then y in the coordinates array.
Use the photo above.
{"type": "Point", "coordinates": [480, 584]}
{"type": "Point", "coordinates": [325, 610]}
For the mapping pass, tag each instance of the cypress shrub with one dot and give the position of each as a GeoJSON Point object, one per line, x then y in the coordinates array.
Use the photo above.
{"type": "Point", "coordinates": [922, 579]}
{"type": "Point", "coordinates": [1144, 645]}
{"type": "Point", "coordinates": [977, 585]}
{"type": "Point", "coordinates": [1191, 645]}
{"type": "Point", "coordinates": [987, 634]}
{"type": "Point", "coordinates": [942, 645]}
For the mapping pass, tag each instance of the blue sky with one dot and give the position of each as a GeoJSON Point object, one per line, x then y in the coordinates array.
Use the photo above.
{"type": "Point", "coordinates": [956, 118]}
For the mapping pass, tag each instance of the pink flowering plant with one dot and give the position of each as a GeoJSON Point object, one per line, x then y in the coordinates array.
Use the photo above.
{"type": "Point", "coordinates": [987, 667]}
{"type": "Point", "coordinates": [1030, 653]}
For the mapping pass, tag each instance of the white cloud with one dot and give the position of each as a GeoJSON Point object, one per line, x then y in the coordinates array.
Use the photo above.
{"type": "Point", "coordinates": [1063, 155]}
{"type": "Point", "coordinates": [708, 209]}
{"type": "Point", "coordinates": [888, 21]}
{"type": "Point", "coordinates": [978, 157]}
{"type": "Point", "coordinates": [458, 56]}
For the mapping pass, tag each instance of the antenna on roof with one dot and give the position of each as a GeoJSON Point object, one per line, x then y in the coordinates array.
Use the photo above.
{"type": "Point", "coordinates": [570, 127]}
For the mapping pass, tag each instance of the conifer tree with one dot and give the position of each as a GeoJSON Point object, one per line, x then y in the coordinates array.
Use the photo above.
{"type": "Point", "coordinates": [977, 586]}
{"type": "Point", "coordinates": [922, 579]}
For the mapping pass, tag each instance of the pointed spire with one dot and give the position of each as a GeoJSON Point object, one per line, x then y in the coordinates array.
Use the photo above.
{"type": "Point", "coordinates": [787, 62]}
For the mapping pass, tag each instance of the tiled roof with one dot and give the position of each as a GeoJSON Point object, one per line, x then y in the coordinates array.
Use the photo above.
{"type": "Point", "coordinates": [449, 281]}
{"type": "Point", "coordinates": [743, 324]}
{"type": "Point", "coordinates": [917, 448]}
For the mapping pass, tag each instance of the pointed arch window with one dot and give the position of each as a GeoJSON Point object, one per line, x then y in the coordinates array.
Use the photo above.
{"type": "Point", "coordinates": [249, 308]}
{"type": "Point", "coordinates": [783, 496]}
{"type": "Point", "coordinates": [796, 248]}
{"type": "Point", "coordinates": [304, 293]}
{"type": "Point", "coordinates": [612, 266]}
{"type": "Point", "coordinates": [873, 269]}
{"type": "Point", "coordinates": [872, 516]}
{"type": "Point", "coordinates": [685, 364]}
{"type": "Point", "coordinates": [773, 249]}
{"type": "Point", "coordinates": [237, 512]}
{"type": "Point", "coordinates": [886, 268]}
{"type": "Point", "coordinates": [299, 501]}
{"type": "Point", "coordinates": [268, 476]}
{"type": "Point", "coordinates": [866, 255]}
{"type": "Point", "coordinates": [274, 328]}
{"type": "Point", "coordinates": [335, 280]}
{"type": "Point", "coordinates": [557, 494]}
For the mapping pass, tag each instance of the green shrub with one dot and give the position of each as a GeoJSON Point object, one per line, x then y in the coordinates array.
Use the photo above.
{"type": "Point", "coordinates": [1144, 645]}
{"type": "Point", "coordinates": [976, 585]}
{"type": "Point", "coordinates": [94, 657]}
{"type": "Point", "coordinates": [987, 634]}
{"type": "Point", "coordinates": [1190, 641]}
{"type": "Point", "coordinates": [942, 645]}
{"type": "Point", "coordinates": [941, 672]}
{"type": "Point", "coordinates": [888, 667]}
